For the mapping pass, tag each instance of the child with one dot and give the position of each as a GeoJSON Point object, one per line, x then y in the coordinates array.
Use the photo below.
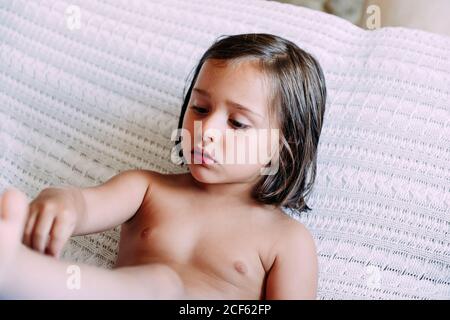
{"type": "Point", "coordinates": [217, 232]}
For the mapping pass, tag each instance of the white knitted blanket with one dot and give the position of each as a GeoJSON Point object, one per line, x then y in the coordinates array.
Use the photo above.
{"type": "Point", "coordinates": [83, 99]}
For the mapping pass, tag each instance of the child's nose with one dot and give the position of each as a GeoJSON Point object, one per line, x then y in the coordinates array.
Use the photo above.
{"type": "Point", "coordinates": [213, 127]}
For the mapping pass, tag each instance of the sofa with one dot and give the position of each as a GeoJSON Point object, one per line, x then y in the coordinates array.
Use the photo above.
{"type": "Point", "coordinates": [89, 88]}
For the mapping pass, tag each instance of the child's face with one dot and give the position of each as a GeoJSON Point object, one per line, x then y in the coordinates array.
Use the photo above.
{"type": "Point", "coordinates": [214, 121]}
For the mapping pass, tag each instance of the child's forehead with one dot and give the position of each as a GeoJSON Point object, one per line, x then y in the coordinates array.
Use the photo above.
{"type": "Point", "coordinates": [242, 77]}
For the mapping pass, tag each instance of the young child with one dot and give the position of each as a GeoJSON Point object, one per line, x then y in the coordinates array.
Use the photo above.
{"type": "Point", "coordinates": [217, 232]}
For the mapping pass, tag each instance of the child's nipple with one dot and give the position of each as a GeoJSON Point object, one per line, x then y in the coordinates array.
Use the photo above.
{"type": "Point", "coordinates": [146, 233]}
{"type": "Point", "coordinates": [240, 267]}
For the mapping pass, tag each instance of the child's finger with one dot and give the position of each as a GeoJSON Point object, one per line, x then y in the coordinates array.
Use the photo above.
{"type": "Point", "coordinates": [41, 231]}
{"type": "Point", "coordinates": [28, 231]}
{"type": "Point", "coordinates": [60, 233]}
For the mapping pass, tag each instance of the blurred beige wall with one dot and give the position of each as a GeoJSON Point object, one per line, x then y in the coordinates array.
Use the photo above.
{"type": "Point", "coordinates": [429, 15]}
{"type": "Point", "coordinates": [350, 10]}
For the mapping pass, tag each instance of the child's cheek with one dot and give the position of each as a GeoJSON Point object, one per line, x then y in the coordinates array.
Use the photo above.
{"type": "Point", "coordinates": [243, 148]}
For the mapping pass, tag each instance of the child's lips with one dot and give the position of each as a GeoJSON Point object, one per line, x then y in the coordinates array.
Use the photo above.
{"type": "Point", "coordinates": [202, 159]}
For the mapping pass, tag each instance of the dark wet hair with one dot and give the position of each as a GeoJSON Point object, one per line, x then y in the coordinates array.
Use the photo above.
{"type": "Point", "coordinates": [297, 103]}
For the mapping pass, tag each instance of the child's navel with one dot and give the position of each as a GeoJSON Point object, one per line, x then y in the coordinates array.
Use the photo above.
{"type": "Point", "coordinates": [240, 267]}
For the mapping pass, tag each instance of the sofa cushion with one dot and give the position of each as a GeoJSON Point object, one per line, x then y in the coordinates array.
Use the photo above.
{"type": "Point", "coordinates": [83, 99]}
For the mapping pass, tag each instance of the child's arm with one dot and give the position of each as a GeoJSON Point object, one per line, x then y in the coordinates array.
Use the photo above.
{"type": "Point", "coordinates": [113, 202]}
{"type": "Point", "coordinates": [26, 274]}
{"type": "Point", "coordinates": [58, 213]}
{"type": "Point", "coordinates": [294, 273]}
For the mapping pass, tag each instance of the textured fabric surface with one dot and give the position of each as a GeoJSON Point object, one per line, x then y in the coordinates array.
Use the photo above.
{"type": "Point", "coordinates": [349, 10]}
{"type": "Point", "coordinates": [79, 105]}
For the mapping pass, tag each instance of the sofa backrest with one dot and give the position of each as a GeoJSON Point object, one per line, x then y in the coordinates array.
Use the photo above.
{"type": "Point", "coordinates": [82, 99]}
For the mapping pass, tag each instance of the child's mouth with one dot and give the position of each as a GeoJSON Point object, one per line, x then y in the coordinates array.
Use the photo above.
{"type": "Point", "coordinates": [200, 158]}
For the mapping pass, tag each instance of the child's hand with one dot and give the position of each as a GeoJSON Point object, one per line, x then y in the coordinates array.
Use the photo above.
{"type": "Point", "coordinates": [51, 220]}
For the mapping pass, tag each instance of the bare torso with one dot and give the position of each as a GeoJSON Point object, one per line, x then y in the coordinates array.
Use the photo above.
{"type": "Point", "coordinates": [220, 250]}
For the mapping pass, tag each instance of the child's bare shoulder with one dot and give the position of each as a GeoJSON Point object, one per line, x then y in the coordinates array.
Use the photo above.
{"type": "Point", "coordinates": [166, 185]}
{"type": "Point", "coordinates": [293, 252]}
{"type": "Point", "coordinates": [291, 235]}
{"type": "Point", "coordinates": [158, 178]}
{"type": "Point", "coordinates": [284, 237]}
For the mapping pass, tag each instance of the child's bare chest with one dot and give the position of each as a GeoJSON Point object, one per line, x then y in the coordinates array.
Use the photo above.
{"type": "Point", "coordinates": [217, 247]}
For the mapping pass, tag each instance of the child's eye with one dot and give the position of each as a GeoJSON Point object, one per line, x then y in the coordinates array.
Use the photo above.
{"type": "Point", "coordinates": [199, 109]}
{"type": "Point", "coordinates": [234, 123]}
{"type": "Point", "coordinates": [239, 125]}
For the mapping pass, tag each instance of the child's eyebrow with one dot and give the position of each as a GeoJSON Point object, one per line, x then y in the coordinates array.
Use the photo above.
{"type": "Point", "coordinates": [232, 103]}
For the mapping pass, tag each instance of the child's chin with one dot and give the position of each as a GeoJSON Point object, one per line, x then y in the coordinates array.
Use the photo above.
{"type": "Point", "coordinates": [201, 169]}
{"type": "Point", "coordinates": [202, 174]}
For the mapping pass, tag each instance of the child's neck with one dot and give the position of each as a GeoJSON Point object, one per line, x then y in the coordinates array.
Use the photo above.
{"type": "Point", "coordinates": [233, 191]}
